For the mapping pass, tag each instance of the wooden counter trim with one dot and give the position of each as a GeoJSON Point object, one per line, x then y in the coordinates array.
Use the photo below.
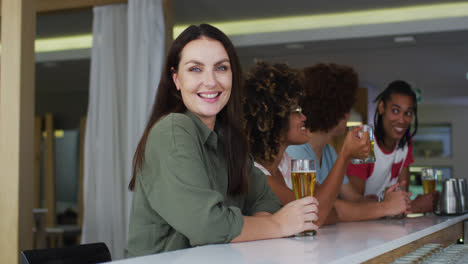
{"type": "Point", "coordinates": [445, 236]}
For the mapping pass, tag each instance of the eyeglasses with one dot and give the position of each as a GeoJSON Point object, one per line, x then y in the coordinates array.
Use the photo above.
{"type": "Point", "coordinates": [297, 110]}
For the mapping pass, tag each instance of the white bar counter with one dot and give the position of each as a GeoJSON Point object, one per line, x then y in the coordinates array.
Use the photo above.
{"type": "Point", "coordinates": [353, 242]}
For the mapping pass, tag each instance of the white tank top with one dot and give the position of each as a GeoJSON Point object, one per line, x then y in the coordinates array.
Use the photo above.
{"type": "Point", "coordinates": [284, 166]}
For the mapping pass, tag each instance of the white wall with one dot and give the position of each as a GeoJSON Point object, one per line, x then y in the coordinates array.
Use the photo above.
{"type": "Point", "coordinates": [457, 116]}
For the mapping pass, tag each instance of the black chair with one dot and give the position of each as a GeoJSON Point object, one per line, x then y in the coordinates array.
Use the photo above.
{"type": "Point", "coordinates": [82, 254]}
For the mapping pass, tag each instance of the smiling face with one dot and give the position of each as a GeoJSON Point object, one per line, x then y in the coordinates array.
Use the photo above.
{"type": "Point", "coordinates": [397, 114]}
{"type": "Point", "coordinates": [297, 133]}
{"type": "Point", "coordinates": [204, 78]}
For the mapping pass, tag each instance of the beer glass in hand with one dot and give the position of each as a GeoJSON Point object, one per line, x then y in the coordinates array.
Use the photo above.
{"type": "Point", "coordinates": [429, 177]}
{"type": "Point", "coordinates": [303, 181]}
{"type": "Point", "coordinates": [371, 157]}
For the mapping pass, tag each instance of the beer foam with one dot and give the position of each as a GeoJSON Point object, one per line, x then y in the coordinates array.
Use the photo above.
{"type": "Point", "coordinates": [309, 171]}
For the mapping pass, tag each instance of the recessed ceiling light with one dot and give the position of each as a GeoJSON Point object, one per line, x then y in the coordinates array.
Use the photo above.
{"type": "Point", "coordinates": [403, 39]}
{"type": "Point", "coordinates": [466, 76]}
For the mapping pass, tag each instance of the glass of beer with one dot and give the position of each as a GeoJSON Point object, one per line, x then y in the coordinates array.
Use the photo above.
{"type": "Point", "coordinates": [303, 181]}
{"type": "Point", "coordinates": [371, 157]}
{"type": "Point", "coordinates": [429, 177]}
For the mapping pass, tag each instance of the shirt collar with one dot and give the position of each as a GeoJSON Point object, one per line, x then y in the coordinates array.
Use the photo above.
{"type": "Point", "coordinates": [208, 137]}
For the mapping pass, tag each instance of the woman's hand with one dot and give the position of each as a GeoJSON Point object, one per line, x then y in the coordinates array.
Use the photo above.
{"type": "Point", "coordinates": [356, 147]}
{"type": "Point", "coordinates": [297, 216]}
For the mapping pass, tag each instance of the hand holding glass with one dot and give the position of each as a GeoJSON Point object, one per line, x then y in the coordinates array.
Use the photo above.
{"type": "Point", "coordinates": [371, 157]}
{"type": "Point", "coordinates": [303, 181]}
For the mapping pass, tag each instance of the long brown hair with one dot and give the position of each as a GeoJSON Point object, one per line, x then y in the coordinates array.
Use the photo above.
{"type": "Point", "coordinates": [169, 100]}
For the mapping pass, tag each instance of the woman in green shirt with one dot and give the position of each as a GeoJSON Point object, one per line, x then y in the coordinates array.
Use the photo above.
{"type": "Point", "coordinates": [193, 181]}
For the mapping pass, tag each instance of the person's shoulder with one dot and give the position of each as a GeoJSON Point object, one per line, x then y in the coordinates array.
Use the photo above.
{"type": "Point", "coordinates": [329, 153]}
{"type": "Point", "coordinates": [329, 148]}
{"type": "Point", "coordinates": [171, 126]}
{"type": "Point", "coordinates": [174, 120]}
{"type": "Point", "coordinates": [261, 168]}
{"type": "Point", "coordinates": [404, 150]}
{"type": "Point", "coordinates": [298, 151]}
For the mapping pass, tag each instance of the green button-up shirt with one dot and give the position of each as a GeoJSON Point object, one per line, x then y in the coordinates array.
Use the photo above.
{"type": "Point", "coordinates": [180, 198]}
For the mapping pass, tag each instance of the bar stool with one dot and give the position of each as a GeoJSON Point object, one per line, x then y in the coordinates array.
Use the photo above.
{"type": "Point", "coordinates": [86, 253]}
{"type": "Point", "coordinates": [39, 227]}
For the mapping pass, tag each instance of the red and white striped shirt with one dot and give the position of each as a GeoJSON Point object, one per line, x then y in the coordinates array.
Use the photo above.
{"type": "Point", "coordinates": [386, 169]}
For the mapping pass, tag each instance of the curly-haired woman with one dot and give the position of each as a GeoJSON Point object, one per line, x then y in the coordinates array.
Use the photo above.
{"type": "Point", "coordinates": [330, 92]}
{"type": "Point", "coordinates": [275, 121]}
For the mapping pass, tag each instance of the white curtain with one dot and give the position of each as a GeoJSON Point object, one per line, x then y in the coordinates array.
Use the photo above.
{"type": "Point", "coordinates": [126, 60]}
{"type": "Point", "coordinates": [146, 37]}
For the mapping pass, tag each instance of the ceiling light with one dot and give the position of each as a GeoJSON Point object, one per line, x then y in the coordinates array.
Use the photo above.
{"type": "Point", "coordinates": [353, 123]}
{"type": "Point", "coordinates": [330, 20]}
{"type": "Point", "coordinates": [59, 133]}
{"type": "Point", "coordinates": [354, 119]}
{"type": "Point", "coordinates": [64, 43]}
{"type": "Point", "coordinates": [76, 42]}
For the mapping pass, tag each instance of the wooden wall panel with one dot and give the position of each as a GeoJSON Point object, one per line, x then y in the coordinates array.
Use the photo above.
{"type": "Point", "coordinates": [49, 188]}
{"type": "Point", "coordinates": [18, 24]}
{"type": "Point", "coordinates": [360, 106]}
{"type": "Point", "coordinates": [168, 11]}
{"type": "Point", "coordinates": [37, 161]}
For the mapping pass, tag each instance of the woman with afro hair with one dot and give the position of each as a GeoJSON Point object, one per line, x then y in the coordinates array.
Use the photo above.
{"type": "Point", "coordinates": [274, 121]}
